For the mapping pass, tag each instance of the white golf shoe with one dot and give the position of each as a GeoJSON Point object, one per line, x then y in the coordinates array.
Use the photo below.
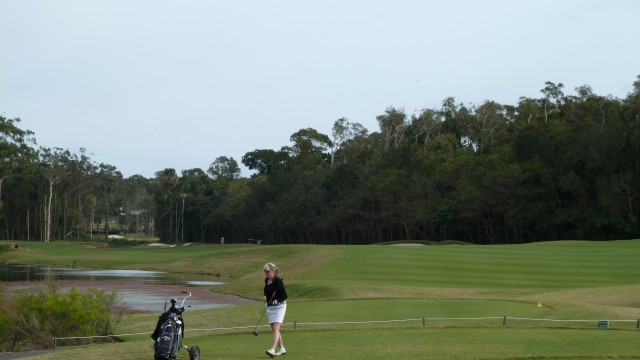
{"type": "Point", "coordinates": [270, 352]}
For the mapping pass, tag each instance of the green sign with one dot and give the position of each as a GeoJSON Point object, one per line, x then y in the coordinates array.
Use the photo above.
{"type": "Point", "coordinates": [603, 324]}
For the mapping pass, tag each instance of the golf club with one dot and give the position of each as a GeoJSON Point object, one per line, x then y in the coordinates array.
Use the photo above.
{"type": "Point", "coordinates": [255, 333]}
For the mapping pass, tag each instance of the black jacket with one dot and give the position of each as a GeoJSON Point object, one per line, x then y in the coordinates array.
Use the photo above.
{"type": "Point", "coordinates": [277, 287]}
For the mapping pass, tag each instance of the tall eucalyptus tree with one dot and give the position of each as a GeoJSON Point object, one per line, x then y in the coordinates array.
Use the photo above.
{"type": "Point", "coordinates": [342, 132]}
{"type": "Point", "coordinates": [16, 152]}
{"type": "Point", "coordinates": [53, 168]}
{"type": "Point", "coordinates": [224, 166]}
{"type": "Point", "coordinates": [108, 180]}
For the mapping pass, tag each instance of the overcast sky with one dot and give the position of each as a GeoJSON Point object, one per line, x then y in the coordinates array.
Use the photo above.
{"type": "Point", "coordinates": [149, 85]}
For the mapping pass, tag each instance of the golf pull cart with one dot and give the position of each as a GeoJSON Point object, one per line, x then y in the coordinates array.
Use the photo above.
{"type": "Point", "coordinates": [169, 332]}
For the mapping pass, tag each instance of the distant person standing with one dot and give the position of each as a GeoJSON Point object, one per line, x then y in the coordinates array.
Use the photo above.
{"type": "Point", "coordinates": [275, 298]}
{"type": "Point", "coordinates": [222, 240]}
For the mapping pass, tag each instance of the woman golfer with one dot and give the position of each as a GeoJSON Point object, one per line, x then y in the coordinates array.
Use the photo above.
{"type": "Point", "coordinates": [275, 297]}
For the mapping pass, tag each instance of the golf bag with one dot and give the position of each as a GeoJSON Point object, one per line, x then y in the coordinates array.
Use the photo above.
{"type": "Point", "coordinates": [167, 337]}
{"type": "Point", "coordinates": [168, 333]}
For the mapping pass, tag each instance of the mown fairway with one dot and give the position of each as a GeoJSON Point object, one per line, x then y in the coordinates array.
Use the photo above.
{"type": "Point", "coordinates": [332, 285]}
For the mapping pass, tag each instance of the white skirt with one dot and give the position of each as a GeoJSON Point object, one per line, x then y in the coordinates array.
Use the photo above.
{"type": "Point", "coordinates": [275, 314]}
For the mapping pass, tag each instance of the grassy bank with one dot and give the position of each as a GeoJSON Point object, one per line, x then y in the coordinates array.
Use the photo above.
{"type": "Point", "coordinates": [335, 284]}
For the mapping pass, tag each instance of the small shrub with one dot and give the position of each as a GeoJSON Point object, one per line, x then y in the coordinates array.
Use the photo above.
{"type": "Point", "coordinates": [125, 242]}
{"type": "Point", "coordinates": [111, 243]}
{"type": "Point", "coordinates": [54, 313]}
{"type": "Point", "coordinates": [6, 322]}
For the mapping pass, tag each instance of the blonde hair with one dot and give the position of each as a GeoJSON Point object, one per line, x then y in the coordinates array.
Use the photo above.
{"type": "Point", "coordinates": [271, 266]}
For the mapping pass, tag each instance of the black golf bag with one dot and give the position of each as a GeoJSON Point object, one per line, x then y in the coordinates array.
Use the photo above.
{"type": "Point", "coordinates": [168, 335]}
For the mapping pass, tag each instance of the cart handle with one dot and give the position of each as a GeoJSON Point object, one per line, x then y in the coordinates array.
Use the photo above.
{"type": "Point", "coordinates": [188, 296]}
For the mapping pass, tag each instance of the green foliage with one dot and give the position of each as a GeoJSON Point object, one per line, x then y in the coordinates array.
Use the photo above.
{"type": "Point", "coordinates": [444, 215]}
{"type": "Point", "coordinates": [124, 242]}
{"type": "Point", "coordinates": [7, 322]}
{"type": "Point", "coordinates": [39, 317]}
{"type": "Point", "coordinates": [224, 166]}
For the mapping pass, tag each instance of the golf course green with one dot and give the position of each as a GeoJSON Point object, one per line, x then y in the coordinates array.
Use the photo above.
{"type": "Point", "coordinates": [393, 301]}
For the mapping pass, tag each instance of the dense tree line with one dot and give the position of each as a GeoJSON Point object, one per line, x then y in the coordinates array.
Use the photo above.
{"type": "Point", "coordinates": [554, 167]}
{"type": "Point", "coordinates": [57, 194]}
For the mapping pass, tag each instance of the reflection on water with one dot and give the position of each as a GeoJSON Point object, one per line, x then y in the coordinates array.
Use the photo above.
{"type": "Point", "coordinates": [204, 283]}
{"type": "Point", "coordinates": [17, 272]}
{"type": "Point", "coordinates": [141, 290]}
{"type": "Point", "coordinates": [109, 273]}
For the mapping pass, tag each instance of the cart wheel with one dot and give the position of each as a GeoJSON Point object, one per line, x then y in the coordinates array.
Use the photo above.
{"type": "Point", "coordinates": [194, 353]}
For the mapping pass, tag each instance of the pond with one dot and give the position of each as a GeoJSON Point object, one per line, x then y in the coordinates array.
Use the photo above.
{"type": "Point", "coordinates": [141, 291]}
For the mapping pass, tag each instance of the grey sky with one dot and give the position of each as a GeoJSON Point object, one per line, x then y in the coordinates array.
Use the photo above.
{"type": "Point", "coordinates": [149, 85]}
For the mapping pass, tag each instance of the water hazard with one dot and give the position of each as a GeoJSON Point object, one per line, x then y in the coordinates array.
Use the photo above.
{"type": "Point", "coordinates": [141, 290]}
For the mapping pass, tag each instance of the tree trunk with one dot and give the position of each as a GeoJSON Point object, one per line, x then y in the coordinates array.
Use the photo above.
{"type": "Point", "coordinates": [47, 219]}
{"type": "Point", "coordinates": [106, 217]}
